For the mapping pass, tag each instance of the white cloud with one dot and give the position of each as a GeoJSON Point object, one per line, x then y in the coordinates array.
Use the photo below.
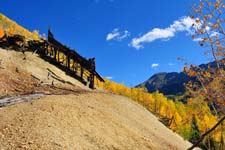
{"type": "Point", "coordinates": [154, 65]}
{"type": "Point", "coordinates": [154, 34]}
{"type": "Point", "coordinates": [184, 24]}
{"type": "Point", "coordinates": [117, 35]}
{"type": "Point", "coordinates": [211, 34]}
{"type": "Point", "coordinates": [109, 77]}
{"type": "Point", "coordinates": [124, 35]}
{"type": "Point", "coordinates": [181, 25]}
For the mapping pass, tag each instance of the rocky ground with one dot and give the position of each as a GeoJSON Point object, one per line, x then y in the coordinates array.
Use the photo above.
{"type": "Point", "coordinates": [72, 116]}
{"type": "Point", "coordinates": [84, 121]}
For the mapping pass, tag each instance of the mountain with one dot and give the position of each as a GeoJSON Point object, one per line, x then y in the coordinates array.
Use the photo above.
{"type": "Point", "coordinates": [171, 83]}
{"type": "Point", "coordinates": [166, 83]}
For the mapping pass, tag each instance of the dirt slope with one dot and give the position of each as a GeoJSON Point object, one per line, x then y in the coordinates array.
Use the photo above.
{"type": "Point", "coordinates": [84, 121]}
{"type": "Point", "coordinates": [80, 120]}
{"type": "Point", "coordinates": [19, 75]}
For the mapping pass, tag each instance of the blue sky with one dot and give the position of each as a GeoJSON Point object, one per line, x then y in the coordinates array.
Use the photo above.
{"type": "Point", "coordinates": [130, 39]}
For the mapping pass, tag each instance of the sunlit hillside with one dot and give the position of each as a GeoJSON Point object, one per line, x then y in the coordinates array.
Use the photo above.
{"type": "Point", "coordinates": [71, 116]}
{"type": "Point", "coordinates": [85, 87]}
{"type": "Point", "coordinates": [189, 120]}
{"type": "Point", "coordinates": [11, 28]}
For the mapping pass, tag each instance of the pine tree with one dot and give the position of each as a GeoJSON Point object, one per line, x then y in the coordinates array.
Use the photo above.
{"type": "Point", "coordinates": [195, 133]}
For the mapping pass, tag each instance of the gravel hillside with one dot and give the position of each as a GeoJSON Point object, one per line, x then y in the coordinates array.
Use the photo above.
{"type": "Point", "coordinates": [73, 120]}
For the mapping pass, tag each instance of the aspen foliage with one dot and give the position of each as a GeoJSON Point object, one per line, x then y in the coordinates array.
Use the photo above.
{"type": "Point", "coordinates": [12, 28]}
{"type": "Point", "coordinates": [179, 115]}
{"type": "Point", "coordinates": [209, 26]}
{"type": "Point", "coordinates": [209, 23]}
{"type": "Point", "coordinates": [2, 32]}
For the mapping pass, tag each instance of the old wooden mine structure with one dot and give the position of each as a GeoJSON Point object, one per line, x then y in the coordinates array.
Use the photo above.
{"type": "Point", "coordinates": [78, 66]}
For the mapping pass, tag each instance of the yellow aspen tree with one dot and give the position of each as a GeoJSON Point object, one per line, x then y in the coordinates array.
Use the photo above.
{"type": "Point", "coordinates": [2, 32]}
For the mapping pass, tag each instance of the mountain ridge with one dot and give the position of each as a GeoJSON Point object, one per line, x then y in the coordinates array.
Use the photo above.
{"type": "Point", "coordinates": [167, 83]}
{"type": "Point", "coordinates": [171, 83]}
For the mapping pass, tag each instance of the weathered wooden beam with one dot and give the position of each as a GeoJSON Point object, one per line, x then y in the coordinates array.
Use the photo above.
{"type": "Point", "coordinates": [81, 72]}
{"type": "Point", "coordinates": [68, 61]}
{"type": "Point", "coordinates": [89, 65]}
{"type": "Point", "coordinates": [92, 80]}
{"type": "Point", "coordinates": [55, 51]}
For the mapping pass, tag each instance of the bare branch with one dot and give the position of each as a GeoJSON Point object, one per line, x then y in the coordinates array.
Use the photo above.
{"type": "Point", "coordinates": [206, 133]}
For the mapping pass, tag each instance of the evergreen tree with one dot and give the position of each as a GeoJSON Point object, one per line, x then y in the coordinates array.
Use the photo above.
{"type": "Point", "coordinates": [195, 133]}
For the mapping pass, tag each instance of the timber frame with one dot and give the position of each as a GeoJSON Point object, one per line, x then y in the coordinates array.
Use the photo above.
{"type": "Point", "coordinates": [77, 66]}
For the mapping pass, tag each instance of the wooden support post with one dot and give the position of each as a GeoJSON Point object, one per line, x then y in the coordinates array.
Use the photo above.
{"type": "Point", "coordinates": [91, 78]}
{"type": "Point", "coordinates": [68, 61]}
{"type": "Point", "coordinates": [50, 51]}
{"type": "Point", "coordinates": [55, 51]}
{"type": "Point", "coordinates": [58, 55]}
{"type": "Point", "coordinates": [76, 67]}
{"type": "Point", "coordinates": [73, 65]}
{"type": "Point", "coordinates": [46, 50]}
{"type": "Point", "coordinates": [63, 59]}
{"type": "Point", "coordinates": [81, 72]}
